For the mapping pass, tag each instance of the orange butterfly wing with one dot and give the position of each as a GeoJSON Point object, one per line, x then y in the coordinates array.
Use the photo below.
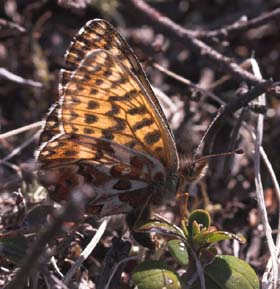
{"type": "Point", "coordinates": [107, 131]}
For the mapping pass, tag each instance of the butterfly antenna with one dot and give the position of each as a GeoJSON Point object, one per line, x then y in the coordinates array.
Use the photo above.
{"type": "Point", "coordinates": [237, 151]}
{"type": "Point", "coordinates": [206, 133]}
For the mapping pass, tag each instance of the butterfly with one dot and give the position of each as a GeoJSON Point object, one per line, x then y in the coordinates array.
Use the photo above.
{"type": "Point", "coordinates": [108, 132]}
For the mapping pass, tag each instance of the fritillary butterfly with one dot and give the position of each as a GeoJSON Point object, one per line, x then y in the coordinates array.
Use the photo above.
{"type": "Point", "coordinates": [108, 130]}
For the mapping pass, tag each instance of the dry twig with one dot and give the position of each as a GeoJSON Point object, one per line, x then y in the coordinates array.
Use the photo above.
{"type": "Point", "coordinates": [240, 26]}
{"type": "Point", "coordinates": [187, 38]}
{"type": "Point", "coordinates": [16, 131]}
{"type": "Point", "coordinates": [18, 79]}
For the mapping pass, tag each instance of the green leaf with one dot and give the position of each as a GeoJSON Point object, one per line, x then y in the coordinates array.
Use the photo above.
{"type": "Point", "coordinates": [229, 272]}
{"type": "Point", "coordinates": [163, 228]}
{"type": "Point", "coordinates": [202, 217]}
{"type": "Point", "coordinates": [212, 237]}
{"type": "Point", "coordinates": [178, 250]}
{"type": "Point", "coordinates": [198, 220]}
{"type": "Point", "coordinates": [155, 275]}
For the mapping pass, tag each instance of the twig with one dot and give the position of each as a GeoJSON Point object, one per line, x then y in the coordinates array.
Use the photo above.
{"type": "Point", "coordinates": [54, 264]}
{"type": "Point", "coordinates": [20, 148]}
{"type": "Point", "coordinates": [52, 281]}
{"type": "Point", "coordinates": [199, 47]}
{"type": "Point", "coordinates": [187, 82]}
{"type": "Point", "coordinates": [10, 29]}
{"type": "Point", "coordinates": [10, 133]}
{"type": "Point", "coordinates": [246, 64]}
{"type": "Point", "coordinates": [4, 23]}
{"type": "Point", "coordinates": [240, 26]}
{"type": "Point", "coordinates": [258, 183]}
{"type": "Point", "coordinates": [243, 100]}
{"type": "Point", "coordinates": [231, 107]}
{"type": "Point", "coordinates": [18, 79]}
{"type": "Point", "coordinates": [14, 167]}
{"type": "Point", "coordinates": [86, 252]}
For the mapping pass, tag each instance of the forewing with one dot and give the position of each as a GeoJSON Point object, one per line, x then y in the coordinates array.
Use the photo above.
{"type": "Point", "coordinates": [99, 34]}
{"type": "Point", "coordinates": [103, 99]}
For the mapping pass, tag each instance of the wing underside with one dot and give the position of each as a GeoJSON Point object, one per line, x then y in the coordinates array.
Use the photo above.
{"type": "Point", "coordinates": [107, 136]}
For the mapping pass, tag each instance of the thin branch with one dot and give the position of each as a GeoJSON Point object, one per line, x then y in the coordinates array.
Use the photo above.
{"type": "Point", "coordinates": [240, 26]}
{"type": "Point", "coordinates": [18, 79]}
{"type": "Point", "coordinates": [57, 270]}
{"type": "Point", "coordinates": [14, 167]}
{"type": "Point", "coordinates": [10, 29]}
{"type": "Point", "coordinates": [246, 64]}
{"type": "Point", "coordinates": [244, 99]}
{"type": "Point", "coordinates": [199, 47]}
{"type": "Point", "coordinates": [22, 129]}
{"type": "Point", "coordinates": [8, 24]}
{"type": "Point", "coordinates": [18, 149]}
{"type": "Point", "coordinates": [187, 82]}
{"type": "Point", "coordinates": [231, 107]}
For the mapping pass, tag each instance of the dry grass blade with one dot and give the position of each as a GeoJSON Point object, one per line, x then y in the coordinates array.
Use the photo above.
{"type": "Point", "coordinates": [259, 186]}
{"type": "Point", "coordinates": [86, 252]}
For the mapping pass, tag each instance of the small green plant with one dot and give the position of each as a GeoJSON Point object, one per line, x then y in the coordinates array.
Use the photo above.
{"type": "Point", "coordinates": [191, 245]}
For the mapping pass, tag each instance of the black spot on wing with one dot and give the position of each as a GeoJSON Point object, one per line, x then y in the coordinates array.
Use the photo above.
{"type": "Point", "coordinates": [92, 104]}
{"type": "Point", "coordinates": [152, 137]}
{"type": "Point", "coordinates": [90, 118]}
{"type": "Point", "coordinates": [142, 123]}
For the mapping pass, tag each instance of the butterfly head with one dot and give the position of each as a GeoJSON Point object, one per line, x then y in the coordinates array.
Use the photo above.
{"type": "Point", "coordinates": [191, 171]}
